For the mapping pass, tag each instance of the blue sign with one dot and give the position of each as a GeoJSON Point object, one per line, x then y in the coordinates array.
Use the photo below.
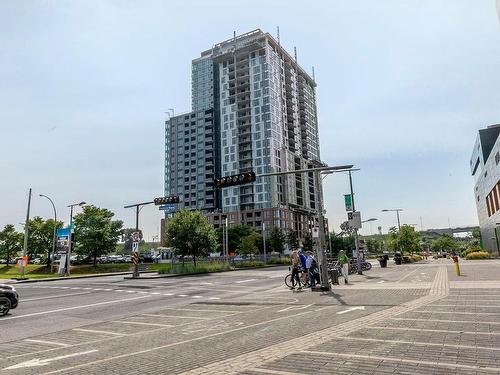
{"type": "Point", "coordinates": [63, 232]}
{"type": "Point", "coordinates": [168, 207]}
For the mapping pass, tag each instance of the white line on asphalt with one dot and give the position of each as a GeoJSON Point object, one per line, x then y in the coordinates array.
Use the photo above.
{"type": "Point", "coordinates": [130, 291]}
{"type": "Point", "coordinates": [464, 305]}
{"type": "Point", "coordinates": [182, 295]}
{"type": "Point", "coordinates": [73, 308]}
{"type": "Point", "coordinates": [400, 360]}
{"type": "Point", "coordinates": [196, 296]}
{"type": "Point", "coordinates": [142, 323]}
{"type": "Point", "coordinates": [98, 331]}
{"type": "Point", "coordinates": [213, 310]}
{"type": "Point", "coordinates": [176, 316]}
{"type": "Point", "coordinates": [168, 294]}
{"type": "Point", "coordinates": [42, 362]}
{"type": "Point", "coordinates": [213, 298]}
{"type": "Point", "coordinates": [381, 281]}
{"type": "Point", "coordinates": [54, 296]}
{"type": "Point", "coordinates": [47, 342]}
{"type": "Point", "coordinates": [295, 307]}
{"type": "Point", "coordinates": [351, 309]}
{"type": "Point", "coordinates": [245, 281]}
{"type": "Point", "coordinates": [155, 293]}
{"type": "Point", "coordinates": [63, 370]}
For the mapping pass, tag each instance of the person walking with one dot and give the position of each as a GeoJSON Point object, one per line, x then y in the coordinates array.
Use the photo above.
{"type": "Point", "coordinates": [295, 261]}
{"type": "Point", "coordinates": [344, 265]}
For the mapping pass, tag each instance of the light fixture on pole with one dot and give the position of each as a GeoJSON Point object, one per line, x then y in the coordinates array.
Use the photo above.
{"type": "Point", "coordinates": [51, 256]}
{"type": "Point", "coordinates": [397, 210]}
{"type": "Point", "coordinates": [70, 247]}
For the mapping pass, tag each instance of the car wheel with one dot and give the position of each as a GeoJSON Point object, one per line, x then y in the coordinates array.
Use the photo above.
{"type": "Point", "coordinates": [4, 306]}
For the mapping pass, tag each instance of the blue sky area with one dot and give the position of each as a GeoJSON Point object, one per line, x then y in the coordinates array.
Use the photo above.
{"type": "Point", "coordinates": [403, 87]}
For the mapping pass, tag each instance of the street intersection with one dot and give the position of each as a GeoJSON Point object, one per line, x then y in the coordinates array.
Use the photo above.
{"type": "Point", "coordinates": [418, 318]}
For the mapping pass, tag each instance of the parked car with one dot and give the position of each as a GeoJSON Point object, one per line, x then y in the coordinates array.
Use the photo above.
{"type": "Point", "coordinates": [9, 298]}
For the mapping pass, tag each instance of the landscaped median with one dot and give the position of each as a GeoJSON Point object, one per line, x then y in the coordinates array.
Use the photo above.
{"type": "Point", "coordinates": [207, 267]}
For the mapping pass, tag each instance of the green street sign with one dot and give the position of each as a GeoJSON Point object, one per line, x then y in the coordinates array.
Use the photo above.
{"type": "Point", "coordinates": [348, 202]}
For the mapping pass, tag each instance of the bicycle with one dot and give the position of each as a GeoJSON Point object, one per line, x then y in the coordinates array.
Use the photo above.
{"type": "Point", "coordinates": [304, 280]}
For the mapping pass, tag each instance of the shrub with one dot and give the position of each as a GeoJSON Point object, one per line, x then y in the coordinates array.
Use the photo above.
{"type": "Point", "coordinates": [250, 263]}
{"type": "Point", "coordinates": [478, 255]}
{"type": "Point", "coordinates": [472, 249]}
{"type": "Point", "coordinates": [416, 258]}
{"type": "Point", "coordinates": [280, 260]}
{"type": "Point", "coordinates": [189, 268]}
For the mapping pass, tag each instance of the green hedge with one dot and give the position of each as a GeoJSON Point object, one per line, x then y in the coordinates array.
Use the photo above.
{"type": "Point", "coordinates": [478, 255]}
{"type": "Point", "coordinates": [250, 263]}
{"type": "Point", "coordinates": [189, 268]}
{"type": "Point", "coordinates": [281, 260]}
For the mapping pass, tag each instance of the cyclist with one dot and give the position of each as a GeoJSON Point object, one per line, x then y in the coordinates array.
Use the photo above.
{"type": "Point", "coordinates": [295, 260]}
{"type": "Point", "coordinates": [303, 268]}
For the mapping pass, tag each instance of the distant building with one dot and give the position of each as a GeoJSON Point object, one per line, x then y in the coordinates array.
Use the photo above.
{"type": "Point", "coordinates": [485, 168]}
{"type": "Point", "coordinates": [254, 109]}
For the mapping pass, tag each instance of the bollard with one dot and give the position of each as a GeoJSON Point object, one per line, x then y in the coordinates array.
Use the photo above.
{"type": "Point", "coordinates": [457, 266]}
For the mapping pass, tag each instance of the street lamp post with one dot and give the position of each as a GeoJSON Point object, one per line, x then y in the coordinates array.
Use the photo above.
{"type": "Point", "coordinates": [496, 238]}
{"type": "Point", "coordinates": [49, 260]}
{"type": "Point", "coordinates": [264, 240]}
{"type": "Point", "coordinates": [70, 247]}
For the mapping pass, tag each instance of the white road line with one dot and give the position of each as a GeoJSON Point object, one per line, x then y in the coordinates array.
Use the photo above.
{"type": "Point", "coordinates": [155, 293]}
{"type": "Point", "coordinates": [182, 295]}
{"type": "Point", "coordinates": [176, 316]}
{"type": "Point", "coordinates": [196, 296]}
{"type": "Point", "coordinates": [211, 310]}
{"type": "Point", "coordinates": [455, 312]}
{"type": "Point", "coordinates": [433, 330]}
{"type": "Point", "coordinates": [47, 342]}
{"type": "Point", "coordinates": [110, 358]}
{"type": "Point", "coordinates": [142, 323]}
{"type": "Point", "coordinates": [168, 294]}
{"type": "Point", "coordinates": [72, 308]}
{"type": "Point", "coordinates": [381, 281]}
{"type": "Point", "coordinates": [350, 309]}
{"type": "Point", "coordinates": [213, 298]}
{"type": "Point", "coordinates": [274, 372]}
{"type": "Point", "coordinates": [42, 362]}
{"type": "Point", "coordinates": [130, 291]}
{"type": "Point", "coordinates": [295, 307]}
{"type": "Point", "coordinates": [54, 296]}
{"type": "Point", "coordinates": [98, 331]}
{"type": "Point", "coordinates": [245, 281]}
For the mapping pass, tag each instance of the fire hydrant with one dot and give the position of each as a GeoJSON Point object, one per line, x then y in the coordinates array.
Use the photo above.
{"type": "Point", "coordinates": [457, 266]}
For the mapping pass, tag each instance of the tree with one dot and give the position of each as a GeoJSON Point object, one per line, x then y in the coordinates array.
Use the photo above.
{"type": "Point", "coordinates": [234, 236]}
{"type": "Point", "coordinates": [406, 239]}
{"type": "Point", "coordinates": [11, 242]}
{"type": "Point", "coordinates": [96, 234]}
{"type": "Point", "coordinates": [189, 233]}
{"type": "Point", "coordinates": [41, 237]}
{"type": "Point", "coordinates": [292, 240]}
{"type": "Point", "coordinates": [373, 245]}
{"type": "Point", "coordinates": [248, 244]}
{"type": "Point", "coordinates": [444, 243]}
{"type": "Point", "coordinates": [277, 240]}
{"type": "Point", "coordinates": [308, 242]}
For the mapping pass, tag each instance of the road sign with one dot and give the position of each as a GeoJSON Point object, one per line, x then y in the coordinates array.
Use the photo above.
{"type": "Point", "coordinates": [315, 232]}
{"type": "Point", "coordinates": [135, 246]}
{"type": "Point", "coordinates": [354, 219]}
{"type": "Point", "coordinates": [348, 202]}
{"type": "Point", "coordinates": [168, 208]}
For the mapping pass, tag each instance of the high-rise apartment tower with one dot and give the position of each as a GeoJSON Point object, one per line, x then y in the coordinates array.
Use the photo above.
{"type": "Point", "coordinates": [253, 109]}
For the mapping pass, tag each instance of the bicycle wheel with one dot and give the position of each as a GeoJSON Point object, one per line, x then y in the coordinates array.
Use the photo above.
{"type": "Point", "coordinates": [288, 280]}
{"type": "Point", "coordinates": [367, 266]}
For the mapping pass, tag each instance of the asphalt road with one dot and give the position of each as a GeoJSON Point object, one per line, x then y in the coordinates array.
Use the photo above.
{"type": "Point", "coordinates": [248, 322]}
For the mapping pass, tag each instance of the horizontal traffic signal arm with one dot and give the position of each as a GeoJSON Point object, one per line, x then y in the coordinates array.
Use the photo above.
{"type": "Point", "coordinates": [166, 200]}
{"type": "Point", "coordinates": [234, 180]}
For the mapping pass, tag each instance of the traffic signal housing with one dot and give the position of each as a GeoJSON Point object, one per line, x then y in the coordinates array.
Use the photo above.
{"type": "Point", "coordinates": [166, 200]}
{"type": "Point", "coordinates": [234, 180]}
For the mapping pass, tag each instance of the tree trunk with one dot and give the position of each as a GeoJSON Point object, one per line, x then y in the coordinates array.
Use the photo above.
{"type": "Point", "coordinates": [194, 260]}
{"type": "Point", "coordinates": [95, 260]}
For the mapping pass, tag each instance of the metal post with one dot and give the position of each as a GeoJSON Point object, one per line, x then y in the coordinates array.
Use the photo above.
{"type": "Point", "coordinates": [49, 260]}
{"type": "Point", "coordinates": [26, 232]}
{"type": "Point", "coordinates": [356, 243]}
{"type": "Point", "coordinates": [264, 240]}
{"type": "Point", "coordinates": [399, 223]}
{"type": "Point", "coordinates": [321, 222]}
{"type": "Point", "coordinates": [227, 240]}
{"type": "Point", "coordinates": [70, 247]}
{"type": "Point", "coordinates": [498, 245]}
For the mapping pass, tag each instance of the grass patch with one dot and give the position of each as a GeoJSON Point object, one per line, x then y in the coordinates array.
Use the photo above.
{"type": "Point", "coordinates": [35, 271]}
{"type": "Point", "coordinates": [189, 268]}
{"type": "Point", "coordinates": [88, 269]}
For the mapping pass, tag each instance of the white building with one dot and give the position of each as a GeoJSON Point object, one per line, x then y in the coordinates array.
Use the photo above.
{"type": "Point", "coordinates": [485, 168]}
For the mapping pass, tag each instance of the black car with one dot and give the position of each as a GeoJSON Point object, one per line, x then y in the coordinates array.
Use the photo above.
{"type": "Point", "coordinates": [8, 298]}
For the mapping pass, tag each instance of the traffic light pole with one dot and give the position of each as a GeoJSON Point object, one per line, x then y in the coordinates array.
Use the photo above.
{"type": "Point", "coordinates": [356, 242]}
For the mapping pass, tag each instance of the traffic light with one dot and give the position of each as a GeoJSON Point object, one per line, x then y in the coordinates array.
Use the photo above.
{"type": "Point", "coordinates": [166, 200]}
{"type": "Point", "coordinates": [237, 179]}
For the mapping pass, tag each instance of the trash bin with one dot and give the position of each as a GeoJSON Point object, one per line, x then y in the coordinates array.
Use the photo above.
{"type": "Point", "coordinates": [383, 261]}
{"type": "Point", "coordinates": [334, 275]}
{"type": "Point", "coordinates": [398, 258]}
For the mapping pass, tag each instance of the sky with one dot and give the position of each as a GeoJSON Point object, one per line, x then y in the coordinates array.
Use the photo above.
{"type": "Point", "coordinates": [403, 87]}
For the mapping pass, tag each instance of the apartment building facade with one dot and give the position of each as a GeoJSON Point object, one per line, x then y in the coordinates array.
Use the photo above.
{"type": "Point", "coordinates": [264, 117]}
{"type": "Point", "coordinates": [485, 167]}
